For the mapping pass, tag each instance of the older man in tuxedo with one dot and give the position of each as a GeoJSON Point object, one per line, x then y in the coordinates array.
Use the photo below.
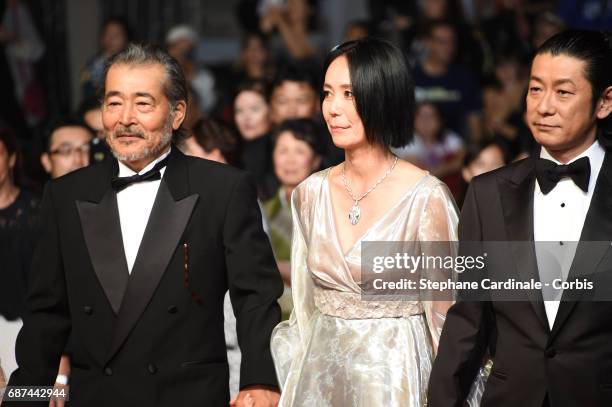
{"type": "Point", "coordinates": [545, 352]}
{"type": "Point", "coordinates": [136, 256]}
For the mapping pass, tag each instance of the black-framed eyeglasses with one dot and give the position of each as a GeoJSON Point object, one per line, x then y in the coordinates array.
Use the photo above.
{"type": "Point", "coordinates": [66, 150]}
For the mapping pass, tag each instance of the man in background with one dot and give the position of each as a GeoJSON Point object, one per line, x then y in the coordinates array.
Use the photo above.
{"type": "Point", "coordinates": [67, 148]}
{"type": "Point", "coordinates": [90, 112]}
{"type": "Point", "coordinates": [438, 79]}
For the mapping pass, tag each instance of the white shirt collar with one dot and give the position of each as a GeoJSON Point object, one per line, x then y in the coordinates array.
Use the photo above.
{"type": "Point", "coordinates": [125, 171]}
{"type": "Point", "coordinates": [596, 154]}
{"type": "Point", "coordinates": [593, 152]}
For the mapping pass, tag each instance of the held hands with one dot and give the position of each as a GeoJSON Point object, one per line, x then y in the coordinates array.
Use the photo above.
{"type": "Point", "coordinates": [256, 396]}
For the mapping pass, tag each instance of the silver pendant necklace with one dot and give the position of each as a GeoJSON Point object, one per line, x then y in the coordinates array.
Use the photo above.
{"type": "Point", "coordinates": [355, 213]}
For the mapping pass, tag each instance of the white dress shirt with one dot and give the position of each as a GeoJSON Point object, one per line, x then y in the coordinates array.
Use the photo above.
{"type": "Point", "coordinates": [559, 217]}
{"type": "Point", "coordinates": [135, 203]}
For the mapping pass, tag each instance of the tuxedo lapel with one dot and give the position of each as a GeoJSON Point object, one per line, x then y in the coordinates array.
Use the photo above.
{"type": "Point", "coordinates": [99, 217]}
{"type": "Point", "coordinates": [169, 217]}
{"type": "Point", "coordinates": [594, 239]}
{"type": "Point", "coordinates": [516, 193]}
{"type": "Point", "coordinates": [100, 222]}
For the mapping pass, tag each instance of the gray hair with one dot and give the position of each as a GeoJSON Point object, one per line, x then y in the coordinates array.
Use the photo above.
{"type": "Point", "coordinates": [175, 87]}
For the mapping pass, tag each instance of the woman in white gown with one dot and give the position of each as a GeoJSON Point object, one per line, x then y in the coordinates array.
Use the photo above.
{"type": "Point", "coordinates": [339, 349]}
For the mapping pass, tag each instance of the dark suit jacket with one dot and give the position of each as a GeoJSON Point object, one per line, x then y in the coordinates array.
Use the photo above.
{"type": "Point", "coordinates": [572, 361]}
{"type": "Point", "coordinates": [155, 337]}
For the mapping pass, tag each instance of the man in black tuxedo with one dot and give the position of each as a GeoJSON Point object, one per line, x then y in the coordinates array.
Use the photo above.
{"type": "Point", "coordinates": [545, 352]}
{"type": "Point", "coordinates": [136, 256]}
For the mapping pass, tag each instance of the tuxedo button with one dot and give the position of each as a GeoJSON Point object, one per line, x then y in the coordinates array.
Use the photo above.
{"type": "Point", "coordinates": [108, 371]}
{"type": "Point", "coordinates": [87, 310]}
{"type": "Point", "coordinates": [172, 309]}
{"type": "Point", "coordinates": [550, 353]}
{"type": "Point", "coordinates": [152, 368]}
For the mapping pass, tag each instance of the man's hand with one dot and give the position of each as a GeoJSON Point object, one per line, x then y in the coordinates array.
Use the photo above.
{"type": "Point", "coordinates": [59, 401]}
{"type": "Point", "coordinates": [64, 369]}
{"type": "Point", "coordinates": [256, 396]}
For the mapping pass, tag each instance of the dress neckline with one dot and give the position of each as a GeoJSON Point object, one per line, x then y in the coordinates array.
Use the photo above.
{"type": "Point", "coordinates": [374, 225]}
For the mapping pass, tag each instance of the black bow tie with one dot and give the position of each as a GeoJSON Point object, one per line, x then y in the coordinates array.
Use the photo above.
{"type": "Point", "coordinates": [549, 173]}
{"type": "Point", "coordinates": [120, 183]}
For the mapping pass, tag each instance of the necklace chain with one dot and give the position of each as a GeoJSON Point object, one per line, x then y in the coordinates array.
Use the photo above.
{"type": "Point", "coordinates": [347, 185]}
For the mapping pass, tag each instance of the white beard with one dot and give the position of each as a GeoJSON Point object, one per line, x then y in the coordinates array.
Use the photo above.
{"type": "Point", "coordinates": [149, 152]}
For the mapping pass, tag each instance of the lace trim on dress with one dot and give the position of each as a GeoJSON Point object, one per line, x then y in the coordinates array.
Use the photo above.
{"type": "Point", "coordinates": [348, 305]}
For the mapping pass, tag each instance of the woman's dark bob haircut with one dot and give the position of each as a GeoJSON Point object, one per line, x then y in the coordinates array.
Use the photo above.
{"type": "Point", "coordinates": [383, 89]}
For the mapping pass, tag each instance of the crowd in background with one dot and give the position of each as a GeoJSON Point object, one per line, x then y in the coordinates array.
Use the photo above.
{"type": "Point", "coordinates": [262, 112]}
{"type": "Point", "coordinates": [469, 60]}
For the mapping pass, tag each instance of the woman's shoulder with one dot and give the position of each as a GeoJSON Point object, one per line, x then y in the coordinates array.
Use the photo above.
{"type": "Point", "coordinates": [424, 187]}
{"type": "Point", "coordinates": [307, 193]}
{"type": "Point", "coordinates": [419, 185]}
{"type": "Point", "coordinates": [311, 185]}
{"type": "Point", "coordinates": [433, 186]}
{"type": "Point", "coordinates": [436, 198]}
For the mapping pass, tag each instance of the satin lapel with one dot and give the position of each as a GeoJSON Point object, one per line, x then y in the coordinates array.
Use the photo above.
{"type": "Point", "coordinates": [594, 239]}
{"type": "Point", "coordinates": [516, 194]}
{"type": "Point", "coordinates": [165, 227]}
{"type": "Point", "coordinates": [99, 217]}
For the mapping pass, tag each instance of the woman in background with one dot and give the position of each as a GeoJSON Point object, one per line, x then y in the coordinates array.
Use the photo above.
{"type": "Point", "coordinates": [252, 118]}
{"type": "Point", "coordinates": [255, 60]}
{"type": "Point", "coordinates": [488, 155]}
{"type": "Point", "coordinates": [434, 147]}
{"type": "Point", "coordinates": [212, 140]}
{"type": "Point", "coordinates": [504, 101]}
{"type": "Point", "coordinates": [295, 155]}
{"type": "Point", "coordinates": [338, 349]}
{"type": "Point", "coordinates": [18, 228]}
{"type": "Point", "coordinates": [115, 34]}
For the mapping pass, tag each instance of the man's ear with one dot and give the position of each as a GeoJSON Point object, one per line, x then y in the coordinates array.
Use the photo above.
{"type": "Point", "coordinates": [180, 111]}
{"type": "Point", "coordinates": [45, 160]}
{"type": "Point", "coordinates": [604, 105]}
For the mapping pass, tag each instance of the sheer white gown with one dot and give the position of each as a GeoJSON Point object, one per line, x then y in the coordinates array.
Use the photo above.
{"type": "Point", "coordinates": [337, 349]}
